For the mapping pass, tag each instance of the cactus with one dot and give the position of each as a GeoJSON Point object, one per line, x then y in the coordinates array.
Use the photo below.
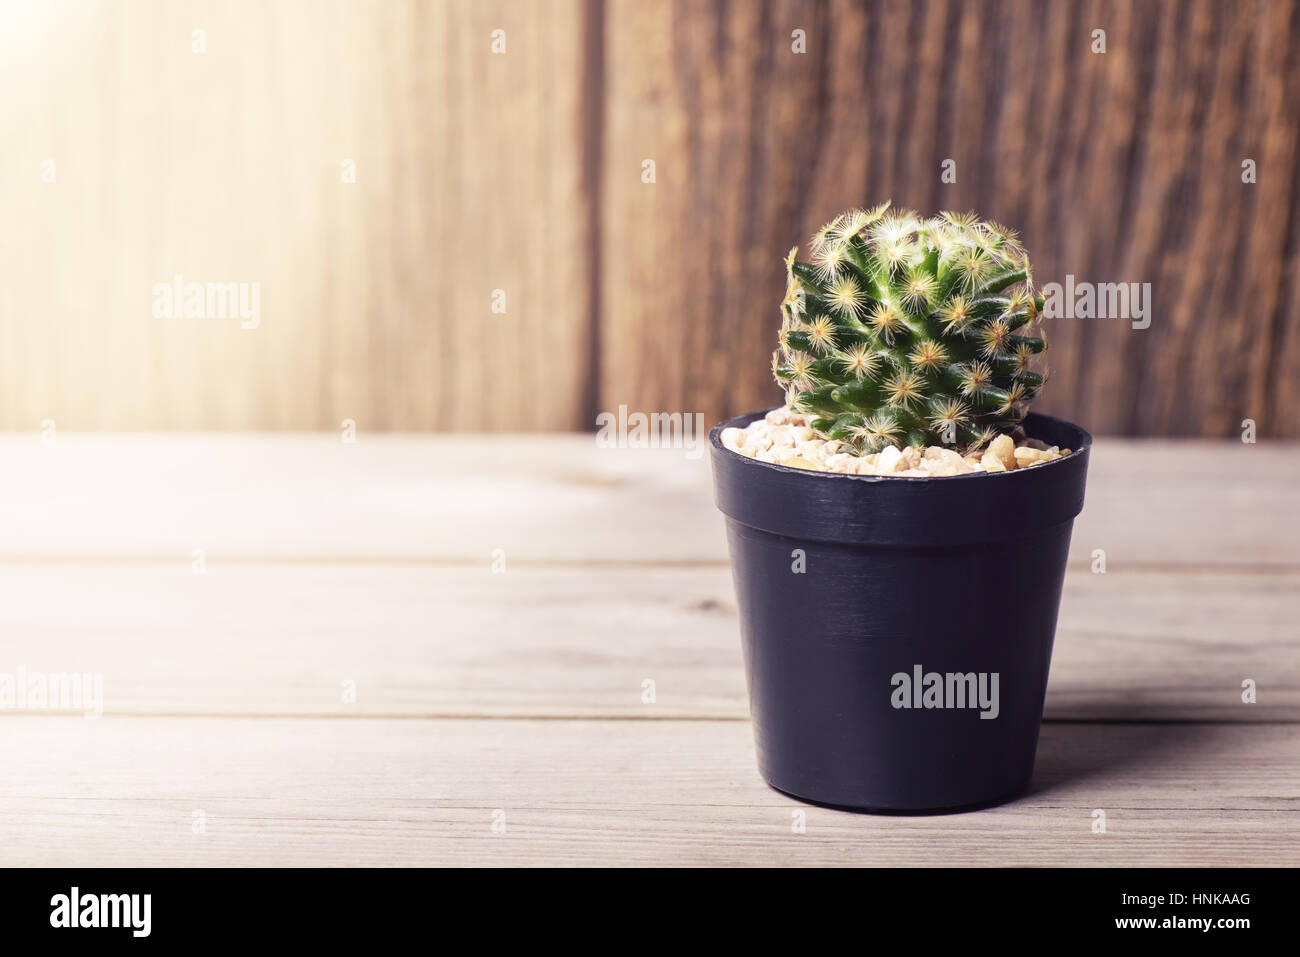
{"type": "Point", "coordinates": [911, 331]}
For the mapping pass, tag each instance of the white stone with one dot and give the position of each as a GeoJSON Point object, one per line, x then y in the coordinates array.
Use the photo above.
{"type": "Point", "coordinates": [785, 436]}
{"type": "Point", "coordinates": [946, 462]}
{"type": "Point", "coordinates": [1004, 448]}
{"type": "Point", "coordinates": [992, 463]}
{"type": "Point", "coordinates": [889, 459]}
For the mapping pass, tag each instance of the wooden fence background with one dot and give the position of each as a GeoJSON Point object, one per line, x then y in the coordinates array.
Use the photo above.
{"type": "Point", "coordinates": [521, 171]}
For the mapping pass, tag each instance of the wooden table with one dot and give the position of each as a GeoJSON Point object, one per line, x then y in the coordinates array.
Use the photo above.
{"type": "Point", "coordinates": [498, 604]}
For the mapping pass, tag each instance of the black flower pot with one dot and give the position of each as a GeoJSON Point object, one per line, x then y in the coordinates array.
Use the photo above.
{"type": "Point", "coordinates": [853, 587]}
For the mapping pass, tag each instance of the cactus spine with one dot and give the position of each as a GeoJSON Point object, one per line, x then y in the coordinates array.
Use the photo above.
{"type": "Point", "coordinates": [911, 331]}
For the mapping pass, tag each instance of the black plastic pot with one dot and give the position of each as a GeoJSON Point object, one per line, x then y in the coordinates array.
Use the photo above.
{"type": "Point", "coordinates": [847, 582]}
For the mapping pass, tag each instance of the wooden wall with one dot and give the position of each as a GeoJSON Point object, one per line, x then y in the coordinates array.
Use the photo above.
{"type": "Point", "coordinates": [228, 165]}
{"type": "Point", "coordinates": [522, 172]}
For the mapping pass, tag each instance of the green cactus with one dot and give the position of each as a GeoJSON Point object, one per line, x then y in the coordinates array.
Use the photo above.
{"type": "Point", "coordinates": [909, 330]}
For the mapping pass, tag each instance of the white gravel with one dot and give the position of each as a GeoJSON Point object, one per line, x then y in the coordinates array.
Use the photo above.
{"type": "Point", "coordinates": [785, 438]}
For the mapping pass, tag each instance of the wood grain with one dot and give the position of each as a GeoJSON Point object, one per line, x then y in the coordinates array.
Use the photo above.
{"type": "Point", "coordinates": [461, 498]}
{"type": "Point", "coordinates": [563, 642]}
{"type": "Point", "coordinates": [522, 172]}
{"type": "Point", "coordinates": [228, 166]}
{"type": "Point", "coordinates": [614, 793]}
{"type": "Point", "coordinates": [520, 692]}
{"type": "Point", "coordinates": [1122, 166]}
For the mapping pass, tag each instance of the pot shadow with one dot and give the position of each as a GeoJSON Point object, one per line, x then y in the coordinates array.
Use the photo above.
{"type": "Point", "coordinates": [910, 812]}
{"type": "Point", "coordinates": [1073, 753]}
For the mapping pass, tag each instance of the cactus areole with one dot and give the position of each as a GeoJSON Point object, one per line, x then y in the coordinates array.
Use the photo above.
{"type": "Point", "coordinates": [859, 581]}
{"type": "Point", "coordinates": [910, 331]}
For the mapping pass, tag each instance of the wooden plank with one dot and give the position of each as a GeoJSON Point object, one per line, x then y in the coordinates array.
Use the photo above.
{"type": "Point", "coordinates": [548, 499]}
{"type": "Point", "coordinates": [385, 497]}
{"type": "Point", "coordinates": [130, 792]}
{"type": "Point", "coordinates": [474, 173]}
{"type": "Point", "coordinates": [1122, 166]}
{"type": "Point", "coordinates": [227, 165]}
{"type": "Point", "coordinates": [562, 642]}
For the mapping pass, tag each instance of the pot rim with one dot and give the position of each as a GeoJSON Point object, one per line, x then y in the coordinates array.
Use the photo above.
{"type": "Point", "coordinates": [745, 418]}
